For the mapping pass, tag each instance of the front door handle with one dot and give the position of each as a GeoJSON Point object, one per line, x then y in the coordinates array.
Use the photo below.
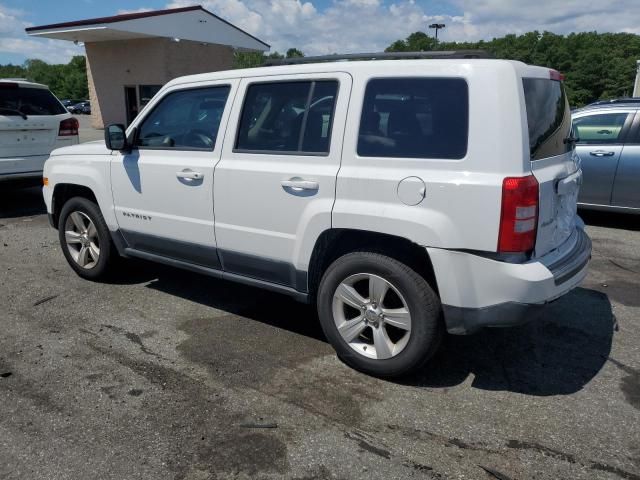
{"type": "Point", "coordinates": [298, 184]}
{"type": "Point", "coordinates": [602, 153]}
{"type": "Point", "coordinates": [188, 174]}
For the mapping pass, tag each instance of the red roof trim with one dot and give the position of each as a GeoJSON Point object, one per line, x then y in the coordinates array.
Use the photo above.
{"type": "Point", "coordinates": [114, 18]}
{"type": "Point", "coordinates": [135, 16]}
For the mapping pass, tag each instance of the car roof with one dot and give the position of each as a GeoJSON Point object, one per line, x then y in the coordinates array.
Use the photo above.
{"type": "Point", "coordinates": [23, 83]}
{"type": "Point", "coordinates": [360, 66]}
{"type": "Point", "coordinates": [626, 106]}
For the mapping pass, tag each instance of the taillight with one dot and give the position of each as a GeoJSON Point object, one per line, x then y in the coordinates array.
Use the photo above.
{"type": "Point", "coordinates": [68, 127]}
{"type": "Point", "coordinates": [519, 214]}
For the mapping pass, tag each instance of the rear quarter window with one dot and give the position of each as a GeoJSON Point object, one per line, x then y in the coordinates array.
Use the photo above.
{"type": "Point", "coordinates": [415, 118]}
{"type": "Point", "coordinates": [548, 117]}
{"type": "Point", "coordinates": [29, 101]}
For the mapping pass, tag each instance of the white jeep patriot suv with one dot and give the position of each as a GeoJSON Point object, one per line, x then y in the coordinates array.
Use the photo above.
{"type": "Point", "coordinates": [402, 197]}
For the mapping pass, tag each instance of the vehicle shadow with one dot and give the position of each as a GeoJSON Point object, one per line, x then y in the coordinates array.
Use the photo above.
{"type": "Point", "coordinates": [623, 221]}
{"type": "Point", "coordinates": [557, 355]}
{"type": "Point", "coordinates": [257, 304]}
{"type": "Point", "coordinates": [19, 201]}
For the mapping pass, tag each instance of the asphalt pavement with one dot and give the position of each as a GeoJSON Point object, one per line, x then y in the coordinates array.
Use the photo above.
{"type": "Point", "coordinates": [86, 132]}
{"type": "Point", "coordinates": [165, 374]}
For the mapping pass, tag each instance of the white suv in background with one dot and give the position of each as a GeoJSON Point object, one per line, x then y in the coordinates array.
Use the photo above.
{"type": "Point", "coordinates": [33, 122]}
{"type": "Point", "coordinates": [402, 197]}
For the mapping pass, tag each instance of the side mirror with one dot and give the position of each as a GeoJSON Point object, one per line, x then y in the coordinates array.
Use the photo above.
{"type": "Point", "coordinates": [115, 137]}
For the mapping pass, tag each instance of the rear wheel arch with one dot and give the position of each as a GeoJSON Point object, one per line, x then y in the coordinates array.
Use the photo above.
{"type": "Point", "coordinates": [66, 191]}
{"type": "Point", "coordinates": [334, 243]}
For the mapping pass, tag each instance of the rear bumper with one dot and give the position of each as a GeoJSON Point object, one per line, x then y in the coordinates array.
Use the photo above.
{"type": "Point", "coordinates": [465, 321]}
{"type": "Point", "coordinates": [479, 292]}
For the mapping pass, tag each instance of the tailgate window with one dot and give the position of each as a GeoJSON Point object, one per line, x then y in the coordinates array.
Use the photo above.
{"type": "Point", "coordinates": [16, 100]}
{"type": "Point", "coordinates": [548, 117]}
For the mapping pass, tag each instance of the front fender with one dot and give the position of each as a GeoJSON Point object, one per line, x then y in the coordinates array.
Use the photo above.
{"type": "Point", "coordinates": [86, 171]}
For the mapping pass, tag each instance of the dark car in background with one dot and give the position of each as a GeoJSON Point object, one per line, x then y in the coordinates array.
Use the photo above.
{"type": "Point", "coordinates": [70, 102]}
{"type": "Point", "coordinates": [608, 145]}
{"type": "Point", "coordinates": [80, 107]}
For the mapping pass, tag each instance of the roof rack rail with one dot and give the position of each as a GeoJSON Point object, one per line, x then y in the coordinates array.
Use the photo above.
{"type": "Point", "coordinates": [433, 54]}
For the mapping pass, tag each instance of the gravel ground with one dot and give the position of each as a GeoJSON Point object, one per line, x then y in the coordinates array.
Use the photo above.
{"type": "Point", "coordinates": [164, 374]}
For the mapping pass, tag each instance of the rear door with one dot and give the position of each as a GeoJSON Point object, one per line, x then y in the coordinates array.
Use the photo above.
{"type": "Point", "coordinates": [601, 136]}
{"type": "Point", "coordinates": [552, 159]}
{"type": "Point", "coordinates": [626, 187]}
{"type": "Point", "coordinates": [30, 117]}
{"type": "Point", "coordinates": [275, 184]}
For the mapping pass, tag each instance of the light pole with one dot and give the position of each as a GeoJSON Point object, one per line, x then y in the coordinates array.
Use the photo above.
{"type": "Point", "coordinates": [437, 26]}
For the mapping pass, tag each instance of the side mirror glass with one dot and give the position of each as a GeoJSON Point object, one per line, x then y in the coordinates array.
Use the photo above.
{"type": "Point", "coordinates": [115, 137]}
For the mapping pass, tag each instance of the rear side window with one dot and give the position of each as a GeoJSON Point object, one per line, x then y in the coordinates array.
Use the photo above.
{"type": "Point", "coordinates": [185, 120]}
{"type": "Point", "coordinates": [548, 117]}
{"type": "Point", "coordinates": [600, 129]}
{"type": "Point", "coordinates": [415, 118]}
{"type": "Point", "coordinates": [16, 100]}
{"type": "Point", "coordinates": [291, 117]}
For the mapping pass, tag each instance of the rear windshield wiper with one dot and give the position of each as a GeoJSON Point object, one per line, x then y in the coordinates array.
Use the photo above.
{"type": "Point", "coordinates": [13, 110]}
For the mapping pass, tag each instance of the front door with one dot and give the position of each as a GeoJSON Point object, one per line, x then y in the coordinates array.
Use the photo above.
{"type": "Point", "coordinates": [599, 146]}
{"type": "Point", "coordinates": [163, 188]}
{"type": "Point", "coordinates": [275, 183]}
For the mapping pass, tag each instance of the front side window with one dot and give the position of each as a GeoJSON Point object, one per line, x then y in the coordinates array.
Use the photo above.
{"type": "Point", "coordinates": [415, 118]}
{"type": "Point", "coordinates": [600, 128]}
{"type": "Point", "coordinates": [187, 119]}
{"type": "Point", "coordinates": [292, 117]}
{"type": "Point", "coordinates": [16, 100]}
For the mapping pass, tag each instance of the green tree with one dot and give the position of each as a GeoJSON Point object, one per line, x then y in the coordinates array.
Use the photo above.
{"type": "Point", "coordinates": [294, 53]}
{"type": "Point", "coordinates": [65, 81]}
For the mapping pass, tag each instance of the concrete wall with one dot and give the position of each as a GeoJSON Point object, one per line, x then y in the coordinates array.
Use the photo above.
{"type": "Point", "coordinates": [154, 61]}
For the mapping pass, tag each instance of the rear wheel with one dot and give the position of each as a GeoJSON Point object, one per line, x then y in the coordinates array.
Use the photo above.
{"type": "Point", "coordinates": [381, 316]}
{"type": "Point", "coordinates": [85, 239]}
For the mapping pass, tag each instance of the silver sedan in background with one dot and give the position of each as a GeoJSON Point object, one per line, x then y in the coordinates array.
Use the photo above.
{"type": "Point", "coordinates": [609, 147]}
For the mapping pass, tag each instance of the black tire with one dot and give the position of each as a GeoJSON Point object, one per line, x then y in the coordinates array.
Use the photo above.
{"type": "Point", "coordinates": [108, 255]}
{"type": "Point", "coordinates": [422, 302]}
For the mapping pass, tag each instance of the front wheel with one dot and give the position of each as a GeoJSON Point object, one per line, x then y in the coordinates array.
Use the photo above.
{"type": "Point", "coordinates": [381, 316]}
{"type": "Point", "coordinates": [85, 239]}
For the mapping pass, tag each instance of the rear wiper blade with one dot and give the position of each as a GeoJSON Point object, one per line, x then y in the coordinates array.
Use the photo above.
{"type": "Point", "coordinates": [13, 110]}
{"type": "Point", "coordinates": [571, 139]}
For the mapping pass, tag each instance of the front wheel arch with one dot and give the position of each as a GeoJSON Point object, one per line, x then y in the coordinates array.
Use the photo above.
{"type": "Point", "coordinates": [63, 192]}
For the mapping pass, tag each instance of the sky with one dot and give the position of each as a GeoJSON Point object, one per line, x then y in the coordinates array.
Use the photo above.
{"type": "Point", "coordinates": [327, 26]}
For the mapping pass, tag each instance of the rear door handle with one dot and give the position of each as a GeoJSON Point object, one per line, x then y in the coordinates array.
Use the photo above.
{"type": "Point", "coordinates": [602, 153]}
{"type": "Point", "coordinates": [298, 184]}
{"type": "Point", "coordinates": [188, 174]}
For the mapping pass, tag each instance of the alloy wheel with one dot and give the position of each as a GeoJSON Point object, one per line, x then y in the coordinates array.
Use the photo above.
{"type": "Point", "coordinates": [81, 237]}
{"type": "Point", "coordinates": [372, 316]}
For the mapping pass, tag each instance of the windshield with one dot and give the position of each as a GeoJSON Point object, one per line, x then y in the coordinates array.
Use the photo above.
{"type": "Point", "coordinates": [28, 101]}
{"type": "Point", "coordinates": [548, 117]}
